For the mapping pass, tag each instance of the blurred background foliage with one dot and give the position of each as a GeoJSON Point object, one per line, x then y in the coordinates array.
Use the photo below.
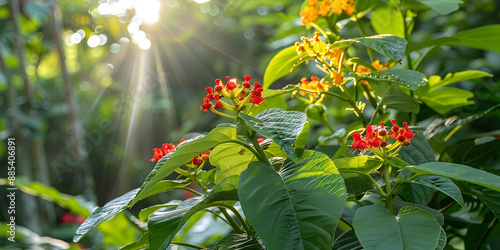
{"type": "Point", "coordinates": [96, 85]}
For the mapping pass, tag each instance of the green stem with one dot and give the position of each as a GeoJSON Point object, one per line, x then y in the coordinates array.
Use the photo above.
{"type": "Point", "coordinates": [233, 223]}
{"type": "Point", "coordinates": [378, 187]}
{"type": "Point", "coordinates": [257, 154]}
{"type": "Point", "coordinates": [453, 132]}
{"type": "Point", "coordinates": [192, 191]}
{"type": "Point", "coordinates": [187, 245]}
{"type": "Point", "coordinates": [388, 188]}
{"type": "Point", "coordinates": [336, 95]}
{"type": "Point", "coordinates": [240, 218]}
{"type": "Point", "coordinates": [375, 113]}
{"type": "Point", "coordinates": [369, 96]}
{"type": "Point", "coordinates": [323, 33]}
{"type": "Point", "coordinates": [422, 57]}
{"type": "Point", "coordinates": [256, 145]}
{"type": "Point", "coordinates": [353, 104]}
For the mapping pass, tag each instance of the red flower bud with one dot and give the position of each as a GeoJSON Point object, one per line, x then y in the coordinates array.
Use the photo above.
{"type": "Point", "coordinates": [383, 144]}
{"type": "Point", "coordinates": [407, 143]}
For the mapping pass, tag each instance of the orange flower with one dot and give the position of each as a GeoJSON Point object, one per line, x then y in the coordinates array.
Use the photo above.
{"type": "Point", "coordinates": [325, 8]}
{"type": "Point", "coordinates": [313, 85]}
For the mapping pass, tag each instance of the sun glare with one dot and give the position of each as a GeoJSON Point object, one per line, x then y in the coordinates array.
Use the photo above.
{"type": "Point", "coordinates": [148, 10]}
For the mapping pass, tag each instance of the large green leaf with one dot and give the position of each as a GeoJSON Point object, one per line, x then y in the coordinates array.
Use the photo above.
{"type": "Point", "coordinates": [387, 20]}
{"type": "Point", "coordinates": [436, 82]}
{"type": "Point", "coordinates": [281, 64]}
{"type": "Point", "coordinates": [238, 242]}
{"type": "Point", "coordinates": [146, 212]}
{"type": "Point", "coordinates": [440, 184]}
{"type": "Point", "coordinates": [409, 78]}
{"type": "Point", "coordinates": [281, 126]}
{"type": "Point", "coordinates": [103, 213]}
{"type": "Point", "coordinates": [413, 228]}
{"type": "Point", "coordinates": [446, 99]}
{"type": "Point", "coordinates": [230, 159]}
{"type": "Point", "coordinates": [489, 197]}
{"type": "Point", "coordinates": [301, 140]}
{"type": "Point", "coordinates": [469, 153]}
{"type": "Point", "coordinates": [142, 243]}
{"type": "Point", "coordinates": [486, 37]}
{"type": "Point", "coordinates": [163, 225]}
{"type": "Point", "coordinates": [387, 45]}
{"type": "Point", "coordinates": [393, 97]}
{"type": "Point", "coordinates": [182, 154]}
{"type": "Point", "coordinates": [356, 173]}
{"type": "Point", "coordinates": [418, 152]}
{"type": "Point", "coordinates": [458, 172]}
{"type": "Point", "coordinates": [416, 193]}
{"type": "Point", "coordinates": [442, 240]}
{"type": "Point", "coordinates": [442, 124]}
{"type": "Point", "coordinates": [398, 204]}
{"type": "Point", "coordinates": [443, 7]}
{"type": "Point", "coordinates": [347, 241]}
{"type": "Point", "coordinates": [297, 207]}
{"type": "Point", "coordinates": [360, 165]}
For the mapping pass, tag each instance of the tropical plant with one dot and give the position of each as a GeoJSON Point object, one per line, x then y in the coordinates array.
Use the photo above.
{"type": "Point", "coordinates": [365, 185]}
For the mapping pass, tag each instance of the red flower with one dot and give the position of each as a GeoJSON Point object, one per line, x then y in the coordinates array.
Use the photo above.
{"type": "Point", "coordinates": [256, 94]}
{"type": "Point", "coordinates": [164, 150]}
{"type": "Point", "coordinates": [359, 143]}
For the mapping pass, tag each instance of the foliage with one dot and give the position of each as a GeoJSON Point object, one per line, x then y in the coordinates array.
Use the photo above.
{"type": "Point", "coordinates": [377, 150]}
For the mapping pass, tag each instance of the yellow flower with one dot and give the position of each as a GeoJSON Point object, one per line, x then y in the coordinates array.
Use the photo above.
{"type": "Point", "coordinates": [325, 8]}
{"type": "Point", "coordinates": [309, 15]}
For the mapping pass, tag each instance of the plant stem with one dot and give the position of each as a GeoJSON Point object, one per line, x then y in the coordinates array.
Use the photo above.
{"type": "Point", "coordinates": [192, 191]}
{"type": "Point", "coordinates": [258, 155]}
{"type": "Point", "coordinates": [422, 57]}
{"type": "Point", "coordinates": [240, 218]}
{"type": "Point", "coordinates": [388, 188]}
{"type": "Point", "coordinates": [233, 223]}
{"type": "Point", "coordinates": [256, 145]}
{"type": "Point", "coordinates": [378, 187]}
{"type": "Point", "coordinates": [187, 245]}
{"type": "Point", "coordinates": [353, 104]}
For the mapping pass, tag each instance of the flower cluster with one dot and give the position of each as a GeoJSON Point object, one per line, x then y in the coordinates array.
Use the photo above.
{"type": "Point", "coordinates": [320, 51]}
{"type": "Point", "coordinates": [313, 85]}
{"type": "Point", "coordinates": [238, 96]}
{"type": "Point", "coordinates": [164, 150]}
{"type": "Point", "coordinates": [316, 8]}
{"type": "Point", "coordinates": [377, 137]}
{"type": "Point", "coordinates": [169, 147]}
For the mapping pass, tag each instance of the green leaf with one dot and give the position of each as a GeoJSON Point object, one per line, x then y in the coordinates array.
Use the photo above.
{"type": "Point", "coordinates": [302, 203]}
{"type": "Point", "coordinates": [281, 64]}
{"type": "Point", "coordinates": [387, 45]}
{"type": "Point", "coordinates": [347, 241]}
{"type": "Point", "coordinates": [103, 213]}
{"type": "Point", "coordinates": [443, 7]}
{"type": "Point", "coordinates": [281, 126]}
{"type": "Point", "coordinates": [301, 140]}
{"type": "Point", "coordinates": [413, 228]}
{"type": "Point", "coordinates": [230, 159]}
{"type": "Point", "coordinates": [409, 78]}
{"type": "Point", "coordinates": [163, 186]}
{"type": "Point", "coordinates": [436, 82]}
{"type": "Point", "coordinates": [418, 152]}
{"type": "Point", "coordinates": [388, 20]}
{"type": "Point", "coordinates": [416, 193]}
{"type": "Point", "coordinates": [359, 165]}
{"type": "Point", "coordinates": [440, 184]}
{"type": "Point", "coordinates": [489, 197]}
{"type": "Point", "coordinates": [142, 243]}
{"type": "Point", "coordinates": [395, 98]}
{"type": "Point", "coordinates": [274, 150]}
{"type": "Point", "coordinates": [446, 99]}
{"type": "Point", "coordinates": [144, 213]}
{"type": "Point", "coordinates": [442, 240]}
{"type": "Point", "coordinates": [238, 241]}
{"type": "Point", "coordinates": [74, 204]}
{"type": "Point", "coordinates": [442, 124]}
{"type": "Point", "coordinates": [486, 38]}
{"type": "Point", "coordinates": [182, 154]}
{"type": "Point", "coordinates": [163, 225]}
{"type": "Point", "coordinates": [469, 153]}
{"type": "Point", "coordinates": [328, 150]}
{"type": "Point", "coordinates": [458, 172]}
{"type": "Point", "coordinates": [356, 173]}
{"type": "Point", "coordinates": [398, 204]}
{"type": "Point", "coordinates": [480, 235]}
